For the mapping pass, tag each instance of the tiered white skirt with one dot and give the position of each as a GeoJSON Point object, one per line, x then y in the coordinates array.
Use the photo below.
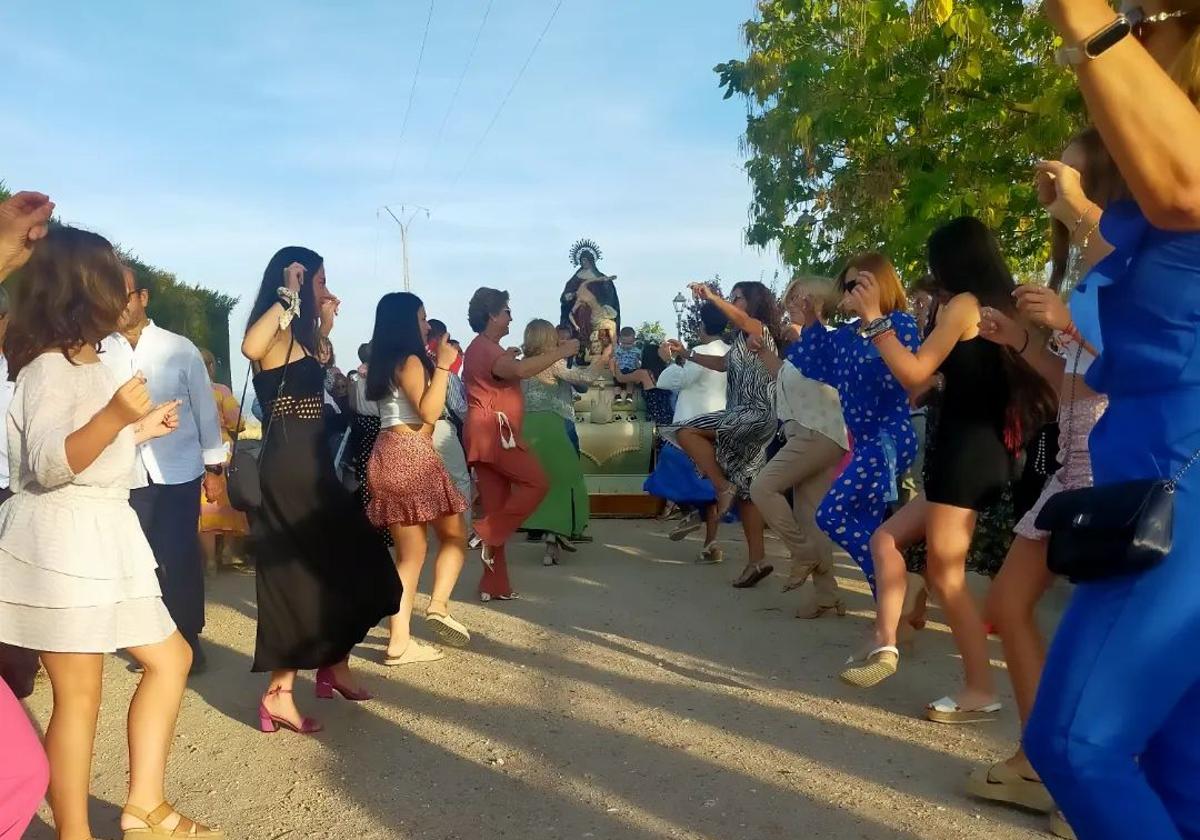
{"type": "Point", "coordinates": [76, 573]}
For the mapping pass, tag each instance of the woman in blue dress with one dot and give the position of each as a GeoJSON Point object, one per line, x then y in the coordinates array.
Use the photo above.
{"type": "Point", "coordinates": [875, 407]}
{"type": "Point", "coordinates": [1115, 731]}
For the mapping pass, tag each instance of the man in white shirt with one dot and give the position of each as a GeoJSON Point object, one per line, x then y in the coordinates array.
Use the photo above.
{"type": "Point", "coordinates": [699, 390]}
{"type": "Point", "coordinates": [172, 470]}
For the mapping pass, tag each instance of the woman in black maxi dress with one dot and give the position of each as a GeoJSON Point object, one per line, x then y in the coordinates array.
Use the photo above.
{"type": "Point", "coordinates": [324, 577]}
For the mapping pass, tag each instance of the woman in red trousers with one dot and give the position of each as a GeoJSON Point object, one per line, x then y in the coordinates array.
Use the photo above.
{"type": "Point", "coordinates": [510, 480]}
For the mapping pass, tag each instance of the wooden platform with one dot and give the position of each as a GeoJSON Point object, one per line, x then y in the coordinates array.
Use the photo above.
{"type": "Point", "coordinates": [624, 505]}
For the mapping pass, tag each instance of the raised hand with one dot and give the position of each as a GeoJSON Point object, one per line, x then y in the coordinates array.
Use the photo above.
{"type": "Point", "coordinates": [131, 402]}
{"type": "Point", "coordinates": [445, 354]}
{"type": "Point", "coordinates": [1042, 306]}
{"type": "Point", "coordinates": [293, 276]}
{"type": "Point", "coordinates": [23, 220]}
{"type": "Point", "coordinates": [702, 291]}
{"type": "Point", "coordinates": [865, 296]}
{"type": "Point", "coordinates": [997, 327]}
{"type": "Point", "coordinates": [1060, 191]}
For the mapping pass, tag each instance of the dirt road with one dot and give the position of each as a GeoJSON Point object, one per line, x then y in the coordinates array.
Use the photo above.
{"type": "Point", "coordinates": [629, 694]}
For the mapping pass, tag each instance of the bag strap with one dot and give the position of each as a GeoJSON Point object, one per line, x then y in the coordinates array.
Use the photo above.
{"type": "Point", "coordinates": [237, 426]}
{"type": "Point", "coordinates": [279, 391]}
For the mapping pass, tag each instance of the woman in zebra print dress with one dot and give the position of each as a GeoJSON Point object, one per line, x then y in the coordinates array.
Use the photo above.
{"type": "Point", "coordinates": [728, 446]}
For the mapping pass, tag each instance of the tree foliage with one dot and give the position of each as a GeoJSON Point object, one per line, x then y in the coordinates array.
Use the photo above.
{"type": "Point", "coordinates": [872, 121]}
{"type": "Point", "coordinates": [652, 332]}
{"type": "Point", "coordinates": [198, 313]}
{"type": "Point", "coordinates": [691, 314]}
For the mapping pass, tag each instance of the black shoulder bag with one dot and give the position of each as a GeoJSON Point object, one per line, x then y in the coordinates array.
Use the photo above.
{"type": "Point", "coordinates": [1104, 532]}
{"type": "Point", "coordinates": [242, 484]}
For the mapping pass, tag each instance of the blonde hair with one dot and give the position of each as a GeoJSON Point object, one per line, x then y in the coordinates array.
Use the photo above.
{"type": "Point", "coordinates": [891, 290]}
{"type": "Point", "coordinates": [540, 336]}
{"type": "Point", "coordinates": [822, 290]}
{"type": "Point", "coordinates": [1185, 69]}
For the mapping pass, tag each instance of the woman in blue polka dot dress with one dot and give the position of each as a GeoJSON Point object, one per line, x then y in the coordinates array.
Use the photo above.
{"type": "Point", "coordinates": [875, 406]}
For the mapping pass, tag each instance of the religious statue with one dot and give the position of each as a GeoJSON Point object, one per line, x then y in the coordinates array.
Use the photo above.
{"type": "Point", "coordinates": [590, 307]}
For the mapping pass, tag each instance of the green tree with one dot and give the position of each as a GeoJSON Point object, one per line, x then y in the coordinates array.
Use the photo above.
{"type": "Point", "coordinates": [872, 121]}
{"type": "Point", "coordinates": [652, 332]}
{"type": "Point", "coordinates": [198, 313]}
{"type": "Point", "coordinates": [691, 314]}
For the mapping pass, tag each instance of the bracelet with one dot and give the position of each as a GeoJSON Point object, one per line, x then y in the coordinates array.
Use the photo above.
{"type": "Point", "coordinates": [290, 299]}
{"type": "Point", "coordinates": [1078, 222]}
{"type": "Point", "coordinates": [1087, 237]}
{"type": "Point", "coordinates": [1024, 346]}
{"type": "Point", "coordinates": [439, 367]}
{"type": "Point", "coordinates": [876, 328]}
{"type": "Point", "coordinates": [875, 338]}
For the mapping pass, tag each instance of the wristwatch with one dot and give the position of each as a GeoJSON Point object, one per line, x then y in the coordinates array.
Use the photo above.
{"type": "Point", "coordinates": [1095, 44]}
{"type": "Point", "coordinates": [215, 469]}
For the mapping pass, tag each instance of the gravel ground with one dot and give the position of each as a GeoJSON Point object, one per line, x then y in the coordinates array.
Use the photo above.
{"type": "Point", "coordinates": [628, 694]}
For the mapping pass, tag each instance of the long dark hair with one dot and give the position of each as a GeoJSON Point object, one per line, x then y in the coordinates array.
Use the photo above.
{"type": "Point", "coordinates": [397, 336]}
{"type": "Point", "coordinates": [762, 305]}
{"type": "Point", "coordinates": [964, 257]}
{"type": "Point", "coordinates": [70, 293]}
{"type": "Point", "coordinates": [304, 328]}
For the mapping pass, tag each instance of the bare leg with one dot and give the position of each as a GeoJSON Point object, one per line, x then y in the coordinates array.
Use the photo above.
{"type": "Point", "coordinates": [76, 679]}
{"type": "Point", "coordinates": [279, 700]}
{"type": "Point", "coordinates": [152, 715]}
{"type": "Point", "coordinates": [948, 539]}
{"type": "Point", "coordinates": [452, 551]}
{"type": "Point", "coordinates": [903, 529]}
{"type": "Point", "coordinates": [753, 528]}
{"type": "Point", "coordinates": [711, 524]}
{"type": "Point", "coordinates": [1022, 581]}
{"type": "Point", "coordinates": [701, 446]}
{"type": "Point", "coordinates": [411, 546]}
{"type": "Point", "coordinates": [208, 544]}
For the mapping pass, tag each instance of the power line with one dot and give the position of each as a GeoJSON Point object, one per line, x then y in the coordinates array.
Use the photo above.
{"type": "Point", "coordinates": [412, 91]}
{"type": "Point", "coordinates": [458, 88]}
{"type": "Point", "coordinates": [511, 88]}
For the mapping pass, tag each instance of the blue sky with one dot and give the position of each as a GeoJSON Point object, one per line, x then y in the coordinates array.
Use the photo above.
{"type": "Point", "coordinates": [204, 136]}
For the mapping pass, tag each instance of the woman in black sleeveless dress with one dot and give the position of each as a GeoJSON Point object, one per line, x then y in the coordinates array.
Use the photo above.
{"type": "Point", "coordinates": [991, 398]}
{"type": "Point", "coordinates": [324, 577]}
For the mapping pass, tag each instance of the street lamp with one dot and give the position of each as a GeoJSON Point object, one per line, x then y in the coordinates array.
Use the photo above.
{"type": "Point", "coordinates": [679, 302]}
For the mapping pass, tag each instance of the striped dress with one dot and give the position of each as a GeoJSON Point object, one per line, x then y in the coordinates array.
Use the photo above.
{"type": "Point", "coordinates": [748, 422]}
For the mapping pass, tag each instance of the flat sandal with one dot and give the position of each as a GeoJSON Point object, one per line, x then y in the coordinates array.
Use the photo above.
{"type": "Point", "coordinates": [185, 828]}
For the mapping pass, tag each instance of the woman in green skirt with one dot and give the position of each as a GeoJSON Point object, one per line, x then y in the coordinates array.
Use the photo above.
{"type": "Point", "coordinates": [549, 409]}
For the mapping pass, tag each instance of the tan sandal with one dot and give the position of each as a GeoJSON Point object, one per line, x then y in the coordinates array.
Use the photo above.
{"type": "Point", "coordinates": [818, 610]}
{"type": "Point", "coordinates": [1003, 783]}
{"type": "Point", "coordinates": [947, 710]}
{"type": "Point", "coordinates": [881, 663]}
{"type": "Point", "coordinates": [414, 653]}
{"type": "Point", "coordinates": [154, 825]}
{"type": "Point", "coordinates": [449, 629]}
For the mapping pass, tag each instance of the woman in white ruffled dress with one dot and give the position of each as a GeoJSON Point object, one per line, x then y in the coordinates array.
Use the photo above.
{"type": "Point", "coordinates": [77, 577]}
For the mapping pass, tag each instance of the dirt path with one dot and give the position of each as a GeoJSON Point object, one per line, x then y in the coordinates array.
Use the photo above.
{"type": "Point", "coordinates": [629, 694]}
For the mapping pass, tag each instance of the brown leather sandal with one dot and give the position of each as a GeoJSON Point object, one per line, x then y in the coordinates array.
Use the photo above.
{"type": "Point", "coordinates": [153, 827]}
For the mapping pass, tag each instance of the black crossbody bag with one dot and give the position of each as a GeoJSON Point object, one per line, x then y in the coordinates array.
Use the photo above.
{"type": "Point", "coordinates": [243, 484]}
{"type": "Point", "coordinates": [1113, 530]}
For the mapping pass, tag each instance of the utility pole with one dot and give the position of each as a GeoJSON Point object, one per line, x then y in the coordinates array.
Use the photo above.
{"type": "Point", "coordinates": [404, 225]}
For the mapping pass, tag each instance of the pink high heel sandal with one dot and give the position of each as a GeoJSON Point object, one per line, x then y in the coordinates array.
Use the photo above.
{"type": "Point", "coordinates": [327, 684]}
{"type": "Point", "coordinates": [268, 722]}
